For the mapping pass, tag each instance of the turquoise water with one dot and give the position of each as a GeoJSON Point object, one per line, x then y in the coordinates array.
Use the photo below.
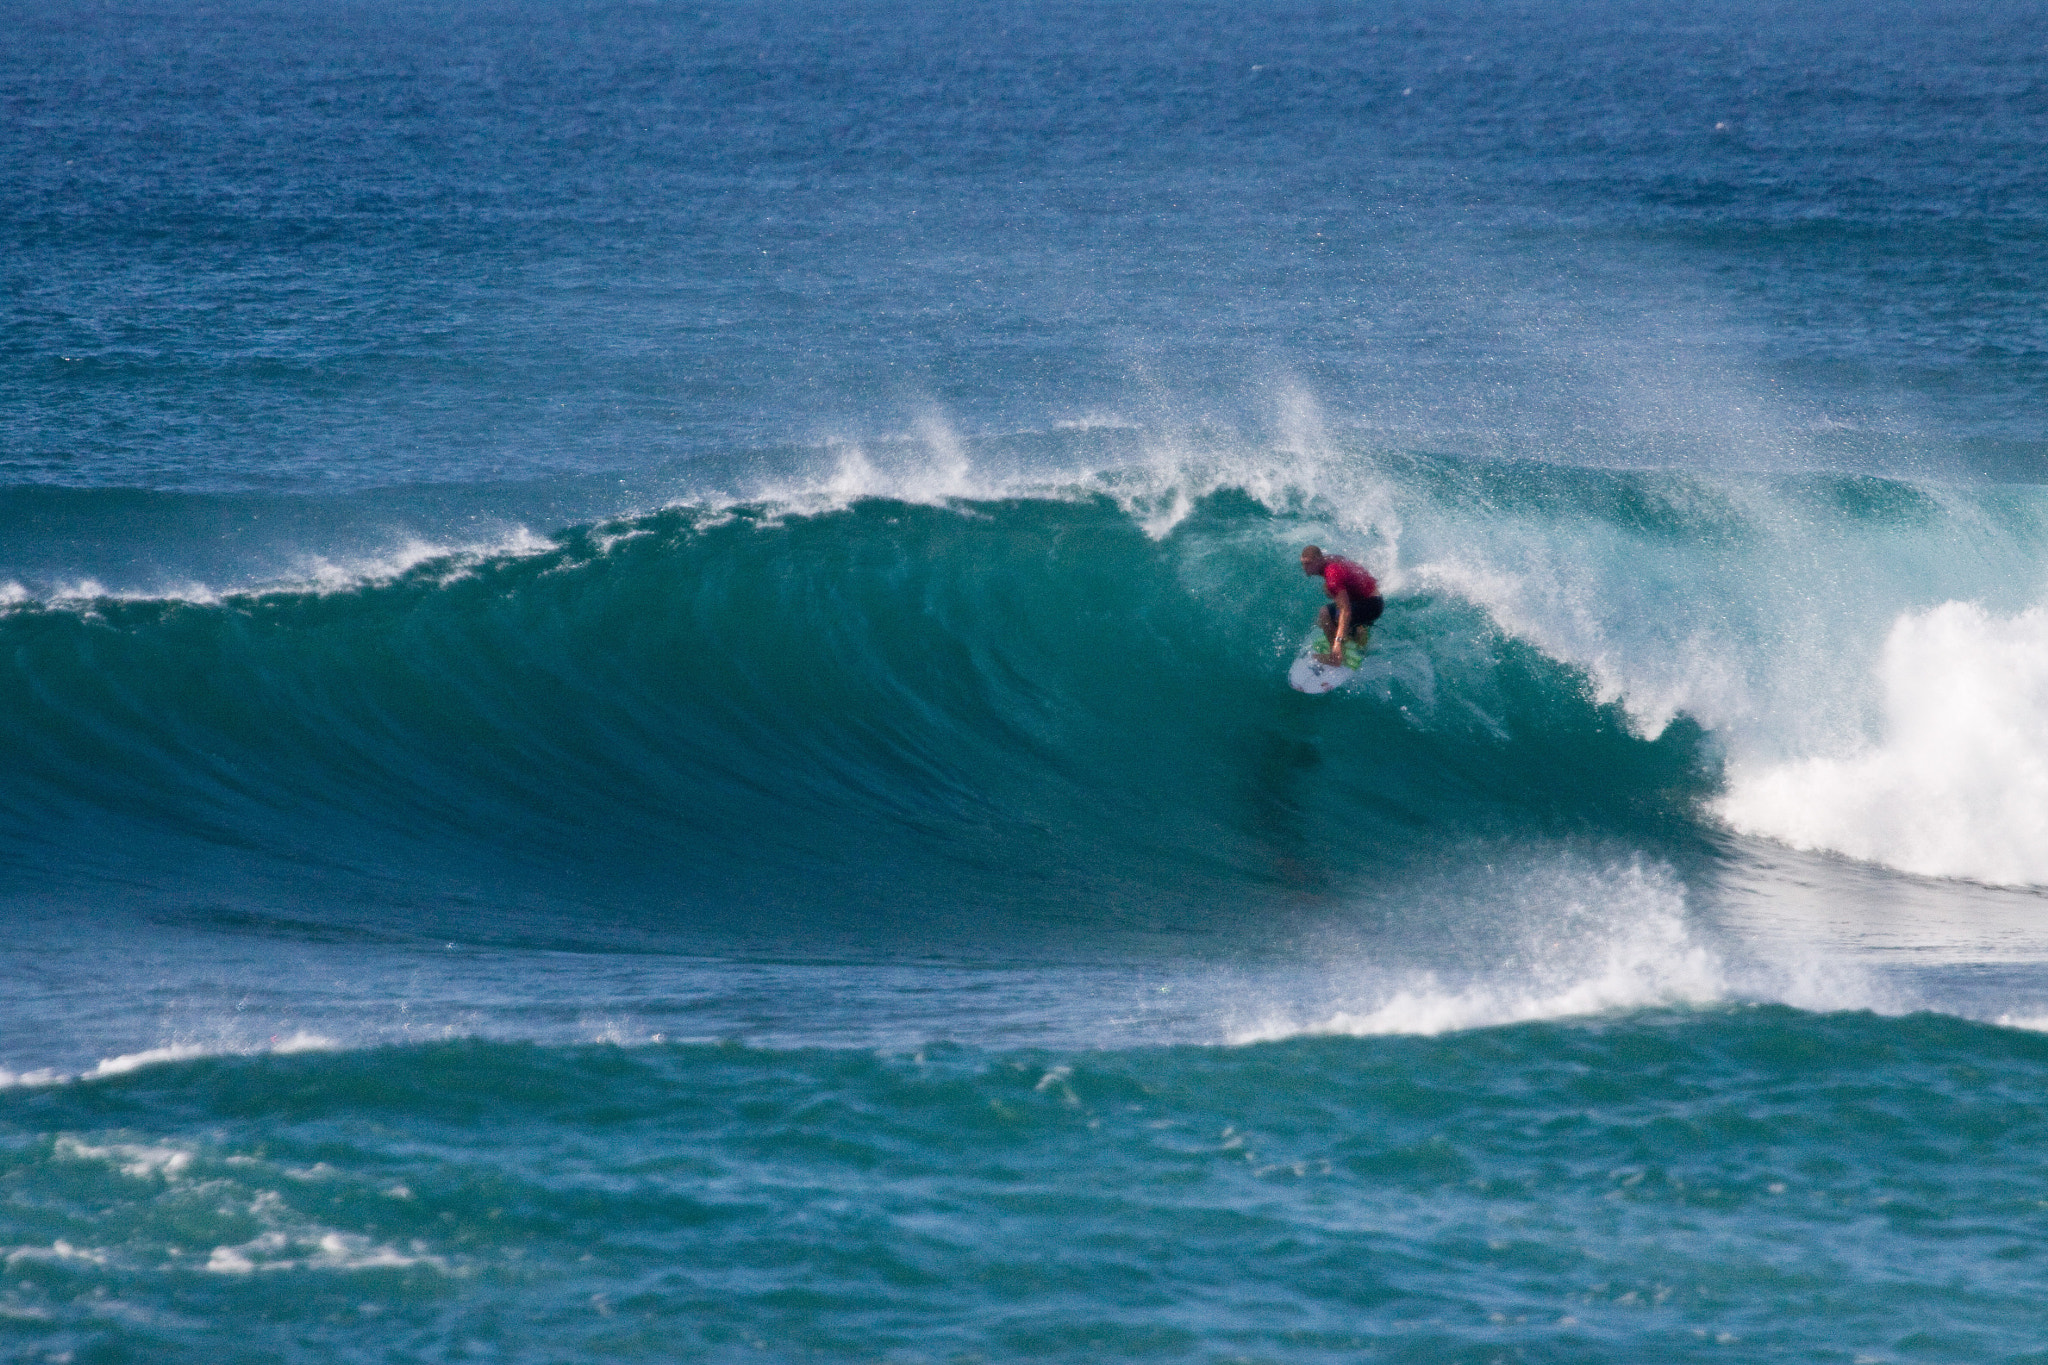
{"type": "Point", "coordinates": [1739, 1183]}
{"type": "Point", "coordinates": [643, 709]}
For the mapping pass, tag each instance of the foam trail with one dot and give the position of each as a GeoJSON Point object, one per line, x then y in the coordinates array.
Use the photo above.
{"type": "Point", "coordinates": [1958, 785]}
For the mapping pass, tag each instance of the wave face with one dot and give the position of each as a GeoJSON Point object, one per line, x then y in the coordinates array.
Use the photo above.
{"type": "Point", "coordinates": [1061, 705]}
{"type": "Point", "coordinates": [1028, 700]}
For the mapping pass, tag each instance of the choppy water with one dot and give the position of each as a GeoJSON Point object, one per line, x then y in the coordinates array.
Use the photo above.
{"type": "Point", "coordinates": [642, 706]}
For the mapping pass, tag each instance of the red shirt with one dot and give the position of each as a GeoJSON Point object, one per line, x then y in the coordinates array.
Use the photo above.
{"type": "Point", "coordinates": [1342, 576]}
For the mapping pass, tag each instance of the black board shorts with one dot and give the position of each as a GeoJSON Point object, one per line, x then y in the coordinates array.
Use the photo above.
{"type": "Point", "coordinates": [1364, 610]}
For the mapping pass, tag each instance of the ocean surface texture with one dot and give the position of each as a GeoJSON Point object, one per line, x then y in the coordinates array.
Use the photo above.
{"type": "Point", "coordinates": [643, 707]}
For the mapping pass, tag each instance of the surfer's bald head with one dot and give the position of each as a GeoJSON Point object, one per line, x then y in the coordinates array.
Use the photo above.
{"type": "Point", "coordinates": [1312, 560]}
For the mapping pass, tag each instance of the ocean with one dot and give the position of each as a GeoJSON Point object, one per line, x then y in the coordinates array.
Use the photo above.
{"type": "Point", "coordinates": [643, 707]}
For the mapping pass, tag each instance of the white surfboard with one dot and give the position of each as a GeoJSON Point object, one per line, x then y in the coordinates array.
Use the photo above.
{"type": "Point", "coordinates": [1312, 675]}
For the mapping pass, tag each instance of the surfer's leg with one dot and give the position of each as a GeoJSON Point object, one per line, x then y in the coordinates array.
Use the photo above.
{"type": "Point", "coordinates": [1363, 614]}
{"type": "Point", "coordinates": [1326, 621]}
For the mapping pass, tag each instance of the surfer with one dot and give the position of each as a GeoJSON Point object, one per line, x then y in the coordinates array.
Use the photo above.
{"type": "Point", "coordinates": [1355, 601]}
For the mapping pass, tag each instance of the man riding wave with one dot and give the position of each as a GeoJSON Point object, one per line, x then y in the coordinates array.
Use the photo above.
{"type": "Point", "coordinates": [1355, 602]}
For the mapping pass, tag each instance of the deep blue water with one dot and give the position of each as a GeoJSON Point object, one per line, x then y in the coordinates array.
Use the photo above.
{"type": "Point", "coordinates": [643, 709]}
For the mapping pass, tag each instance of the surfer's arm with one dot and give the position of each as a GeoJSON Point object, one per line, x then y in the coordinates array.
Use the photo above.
{"type": "Point", "coordinates": [1336, 654]}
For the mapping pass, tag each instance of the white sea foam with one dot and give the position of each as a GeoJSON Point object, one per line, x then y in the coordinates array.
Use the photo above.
{"type": "Point", "coordinates": [1567, 942]}
{"type": "Point", "coordinates": [1560, 939]}
{"type": "Point", "coordinates": [58, 1252]}
{"type": "Point", "coordinates": [1957, 785]}
{"type": "Point", "coordinates": [319, 573]}
{"type": "Point", "coordinates": [310, 574]}
{"type": "Point", "coordinates": [301, 1041]}
{"type": "Point", "coordinates": [133, 1061]}
{"type": "Point", "coordinates": [40, 1076]}
{"type": "Point", "coordinates": [131, 1159]}
{"type": "Point", "coordinates": [289, 1240]}
{"type": "Point", "coordinates": [313, 1249]}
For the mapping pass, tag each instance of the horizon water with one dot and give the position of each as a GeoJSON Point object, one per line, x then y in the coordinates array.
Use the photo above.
{"type": "Point", "coordinates": [644, 715]}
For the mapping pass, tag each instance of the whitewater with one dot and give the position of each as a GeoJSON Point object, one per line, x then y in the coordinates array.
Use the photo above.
{"type": "Point", "coordinates": [643, 705]}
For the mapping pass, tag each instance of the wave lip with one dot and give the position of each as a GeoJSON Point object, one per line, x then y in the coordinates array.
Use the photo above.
{"type": "Point", "coordinates": [158, 1056]}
